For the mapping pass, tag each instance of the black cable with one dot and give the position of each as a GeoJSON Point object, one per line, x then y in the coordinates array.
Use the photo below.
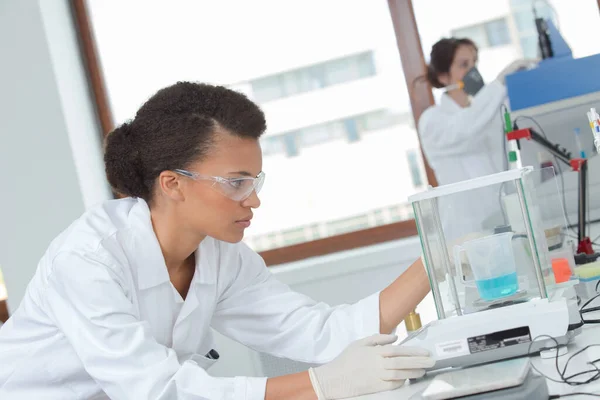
{"type": "Point", "coordinates": [584, 310]}
{"type": "Point", "coordinates": [594, 221]}
{"type": "Point", "coordinates": [564, 378]}
{"type": "Point", "coordinates": [560, 396]}
{"type": "Point", "coordinates": [594, 241]}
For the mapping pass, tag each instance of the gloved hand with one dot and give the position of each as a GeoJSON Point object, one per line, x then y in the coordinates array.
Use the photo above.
{"type": "Point", "coordinates": [369, 365]}
{"type": "Point", "coordinates": [516, 66]}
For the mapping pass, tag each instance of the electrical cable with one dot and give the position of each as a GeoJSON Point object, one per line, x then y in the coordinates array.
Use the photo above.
{"type": "Point", "coordinates": [584, 310]}
{"type": "Point", "coordinates": [560, 396]}
{"type": "Point", "coordinates": [562, 373]}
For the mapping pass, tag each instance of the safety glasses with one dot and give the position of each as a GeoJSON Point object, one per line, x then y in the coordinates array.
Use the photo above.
{"type": "Point", "coordinates": [237, 189]}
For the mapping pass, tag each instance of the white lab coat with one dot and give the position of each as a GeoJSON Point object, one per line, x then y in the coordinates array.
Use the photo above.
{"type": "Point", "coordinates": [462, 144]}
{"type": "Point", "coordinates": [101, 318]}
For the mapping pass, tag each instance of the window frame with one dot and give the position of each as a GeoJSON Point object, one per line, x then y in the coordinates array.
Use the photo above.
{"type": "Point", "coordinates": [421, 97]}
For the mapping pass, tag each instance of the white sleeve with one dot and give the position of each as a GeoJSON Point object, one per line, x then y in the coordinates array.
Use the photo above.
{"type": "Point", "coordinates": [266, 315]}
{"type": "Point", "coordinates": [87, 301]}
{"type": "Point", "coordinates": [461, 132]}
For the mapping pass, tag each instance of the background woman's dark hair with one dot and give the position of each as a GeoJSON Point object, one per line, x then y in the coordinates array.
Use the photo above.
{"type": "Point", "coordinates": [441, 58]}
{"type": "Point", "coordinates": [174, 128]}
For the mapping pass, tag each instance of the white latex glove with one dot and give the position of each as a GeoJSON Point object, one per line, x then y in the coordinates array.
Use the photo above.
{"type": "Point", "coordinates": [516, 66]}
{"type": "Point", "coordinates": [369, 365]}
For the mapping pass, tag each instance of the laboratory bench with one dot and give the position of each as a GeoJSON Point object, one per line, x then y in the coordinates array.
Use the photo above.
{"type": "Point", "coordinates": [590, 335]}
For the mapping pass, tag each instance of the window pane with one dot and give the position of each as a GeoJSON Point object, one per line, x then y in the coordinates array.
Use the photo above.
{"type": "Point", "coordinates": [348, 225]}
{"type": "Point", "coordinates": [497, 33]}
{"type": "Point", "coordinates": [301, 81]}
{"type": "Point", "coordinates": [530, 46]}
{"type": "Point", "coordinates": [267, 89]}
{"type": "Point", "coordinates": [272, 145]}
{"type": "Point", "coordinates": [366, 67]}
{"type": "Point", "coordinates": [524, 17]}
{"type": "Point", "coordinates": [351, 129]}
{"type": "Point", "coordinates": [415, 168]}
{"type": "Point", "coordinates": [291, 146]}
{"type": "Point", "coordinates": [332, 90]}
{"type": "Point", "coordinates": [348, 69]}
{"type": "Point", "coordinates": [319, 134]}
{"type": "Point", "coordinates": [577, 21]}
{"type": "Point", "coordinates": [476, 33]}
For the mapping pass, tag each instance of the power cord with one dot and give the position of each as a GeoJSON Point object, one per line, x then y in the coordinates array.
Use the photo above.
{"type": "Point", "coordinates": [560, 396]}
{"type": "Point", "coordinates": [595, 239]}
{"type": "Point", "coordinates": [562, 373]}
{"type": "Point", "coordinates": [584, 310]}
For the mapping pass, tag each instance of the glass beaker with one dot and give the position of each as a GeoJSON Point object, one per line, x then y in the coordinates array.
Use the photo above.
{"type": "Point", "coordinates": [492, 263]}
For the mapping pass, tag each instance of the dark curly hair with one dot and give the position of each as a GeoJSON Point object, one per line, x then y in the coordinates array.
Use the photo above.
{"type": "Point", "coordinates": [174, 128]}
{"type": "Point", "coordinates": [442, 57]}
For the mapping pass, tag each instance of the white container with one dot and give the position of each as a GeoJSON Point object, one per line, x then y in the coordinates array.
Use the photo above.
{"type": "Point", "coordinates": [586, 289]}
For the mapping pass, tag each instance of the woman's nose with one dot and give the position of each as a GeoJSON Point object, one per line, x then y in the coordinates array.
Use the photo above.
{"type": "Point", "coordinates": [252, 201]}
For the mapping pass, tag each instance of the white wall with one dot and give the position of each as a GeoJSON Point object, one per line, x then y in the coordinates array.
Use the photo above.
{"type": "Point", "coordinates": [45, 112]}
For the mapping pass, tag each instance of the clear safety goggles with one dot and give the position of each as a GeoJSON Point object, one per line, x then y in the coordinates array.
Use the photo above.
{"type": "Point", "coordinates": [237, 189]}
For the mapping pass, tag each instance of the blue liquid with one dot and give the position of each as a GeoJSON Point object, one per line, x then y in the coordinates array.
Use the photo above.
{"type": "Point", "coordinates": [495, 288]}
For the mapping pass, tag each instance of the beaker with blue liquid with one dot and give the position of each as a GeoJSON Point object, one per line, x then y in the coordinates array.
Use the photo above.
{"type": "Point", "coordinates": [492, 264]}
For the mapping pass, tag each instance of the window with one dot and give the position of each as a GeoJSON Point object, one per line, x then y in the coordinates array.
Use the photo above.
{"type": "Point", "coordinates": [355, 223]}
{"type": "Point", "coordinates": [313, 77]}
{"type": "Point", "coordinates": [382, 119]}
{"type": "Point", "coordinates": [272, 145]}
{"type": "Point", "coordinates": [267, 89]}
{"type": "Point", "coordinates": [568, 16]}
{"type": "Point", "coordinates": [294, 236]}
{"type": "Point", "coordinates": [291, 146]}
{"type": "Point", "coordinates": [323, 152]}
{"type": "Point", "coordinates": [488, 34]}
{"type": "Point", "coordinates": [349, 129]}
{"type": "Point", "coordinates": [497, 32]}
{"type": "Point", "coordinates": [525, 23]}
{"type": "Point", "coordinates": [321, 133]}
{"type": "Point", "coordinates": [282, 37]}
{"type": "Point", "coordinates": [415, 168]}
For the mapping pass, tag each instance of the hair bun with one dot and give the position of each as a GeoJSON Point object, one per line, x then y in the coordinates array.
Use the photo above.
{"type": "Point", "coordinates": [122, 161]}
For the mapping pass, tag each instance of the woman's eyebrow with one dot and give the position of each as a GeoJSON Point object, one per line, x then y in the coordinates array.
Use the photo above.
{"type": "Point", "coordinates": [243, 173]}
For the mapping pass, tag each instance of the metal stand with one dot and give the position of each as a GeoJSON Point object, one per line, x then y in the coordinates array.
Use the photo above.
{"type": "Point", "coordinates": [584, 245]}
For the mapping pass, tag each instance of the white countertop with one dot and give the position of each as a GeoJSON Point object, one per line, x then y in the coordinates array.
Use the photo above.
{"type": "Point", "coordinates": [590, 335]}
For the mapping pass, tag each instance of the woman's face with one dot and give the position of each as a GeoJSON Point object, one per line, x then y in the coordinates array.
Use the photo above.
{"type": "Point", "coordinates": [465, 58]}
{"type": "Point", "coordinates": [205, 208]}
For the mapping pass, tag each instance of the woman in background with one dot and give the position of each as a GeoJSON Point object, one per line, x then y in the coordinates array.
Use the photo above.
{"type": "Point", "coordinates": [123, 301]}
{"type": "Point", "coordinates": [462, 136]}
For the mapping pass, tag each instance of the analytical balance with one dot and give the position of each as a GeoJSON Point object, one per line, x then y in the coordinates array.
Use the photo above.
{"type": "Point", "coordinates": [491, 276]}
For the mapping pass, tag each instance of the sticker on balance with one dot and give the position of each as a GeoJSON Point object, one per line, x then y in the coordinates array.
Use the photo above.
{"type": "Point", "coordinates": [454, 348]}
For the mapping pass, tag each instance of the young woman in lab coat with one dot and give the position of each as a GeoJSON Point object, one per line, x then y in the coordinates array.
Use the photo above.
{"type": "Point", "coordinates": [462, 136]}
{"type": "Point", "coordinates": [123, 300]}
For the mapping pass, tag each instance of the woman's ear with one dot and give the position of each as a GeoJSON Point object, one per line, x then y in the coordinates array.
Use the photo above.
{"type": "Point", "coordinates": [170, 184]}
{"type": "Point", "coordinates": [444, 79]}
